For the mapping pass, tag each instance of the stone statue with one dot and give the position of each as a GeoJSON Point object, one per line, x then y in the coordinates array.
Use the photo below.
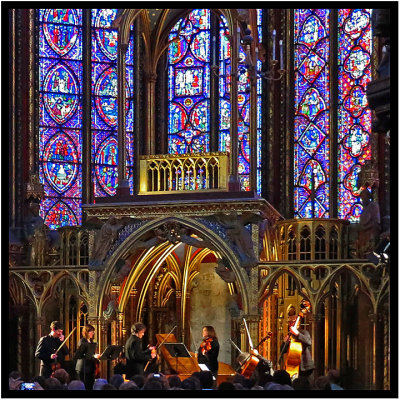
{"type": "Point", "coordinates": [239, 235]}
{"type": "Point", "coordinates": [37, 236]}
{"type": "Point", "coordinates": [104, 239]}
{"type": "Point", "coordinates": [369, 227]}
{"type": "Point", "coordinates": [112, 308]}
{"type": "Point", "coordinates": [224, 272]}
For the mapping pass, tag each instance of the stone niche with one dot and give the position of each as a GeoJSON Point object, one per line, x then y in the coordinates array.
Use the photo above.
{"type": "Point", "coordinates": [209, 300]}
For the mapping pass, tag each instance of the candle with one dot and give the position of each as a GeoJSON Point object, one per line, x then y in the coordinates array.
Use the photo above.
{"type": "Point", "coordinates": [281, 53]}
{"type": "Point", "coordinates": [273, 44]}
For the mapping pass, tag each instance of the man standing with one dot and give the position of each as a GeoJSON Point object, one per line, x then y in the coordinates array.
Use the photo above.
{"type": "Point", "coordinates": [136, 357]}
{"type": "Point", "coordinates": [307, 363]}
{"type": "Point", "coordinates": [46, 350]}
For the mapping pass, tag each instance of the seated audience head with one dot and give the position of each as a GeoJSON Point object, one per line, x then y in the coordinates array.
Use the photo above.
{"type": "Point", "coordinates": [138, 379]}
{"type": "Point", "coordinates": [301, 383]}
{"type": "Point", "coordinates": [282, 377]}
{"type": "Point", "coordinates": [334, 376]}
{"type": "Point", "coordinates": [76, 385]}
{"type": "Point", "coordinates": [53, 384]}
{"type": "Point", "coordinates": [153, 384]}
{"type": "Point", "coordinates": [130, 385]}
{"type": "Point", "coordinates": [98, 383]}
{"type": "Point", "coordinates": [226, 386]}
{"type": "Point", "coordinates": [62, 375]}
{"type": "Point", "coordinates": [15, 375]}
{"type": "Point", "coordinates": [108, 386]}
{"type": "Point", "coordinates": [191, 383]}
{"type": "Point", "coordinates": [174, 381]}
{"type": "Point", "coordinates": [322, 383]}
{"type": "Point", "coordinates": [116, 380]}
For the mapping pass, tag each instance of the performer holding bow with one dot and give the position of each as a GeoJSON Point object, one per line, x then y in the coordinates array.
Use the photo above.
{"type": "Point", "coordinates": [50, 350]}
{"type": "Point", "coordinates": [136, 357]}
{"type": "Point", "coordinates": [209, 350]}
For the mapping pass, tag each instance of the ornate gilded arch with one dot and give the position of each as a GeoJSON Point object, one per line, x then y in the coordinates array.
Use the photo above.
{"type": "Point", "coordinates": [125, 248]}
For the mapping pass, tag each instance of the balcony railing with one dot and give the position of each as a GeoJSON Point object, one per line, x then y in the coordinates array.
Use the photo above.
{"type": "Point", "coordinates": [183, 172]}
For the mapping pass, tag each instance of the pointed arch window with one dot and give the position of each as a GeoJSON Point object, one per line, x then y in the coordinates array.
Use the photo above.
{"type": "Point", "coordinates": [189, 79]}
{"type": "Point", "coordinates": [62, 88]}
{"type": "Point", "coordinates": [318, 127]}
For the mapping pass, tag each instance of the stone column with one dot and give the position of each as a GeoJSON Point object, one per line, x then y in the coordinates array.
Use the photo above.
{"type": "Point", "coordinates": [178, 331]}
{"type": "Point", "coordinates": [123, 183]}
{"type": "Point", "coordinates": [234, 184]}
{"type": "Point", "coordinates": [39, 321]}
{"type": "Point", "coordinates": [150, 129]}
{"type": "Point", "coordinates": [373, 319]}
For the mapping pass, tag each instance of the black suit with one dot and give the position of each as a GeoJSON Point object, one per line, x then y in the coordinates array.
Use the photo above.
{"type": "Point", "coordinates": [86, 364]}
{"type": "Point", "coordinates": [47, 346]}
{"type": "Point", "coordinates": [136, 358]}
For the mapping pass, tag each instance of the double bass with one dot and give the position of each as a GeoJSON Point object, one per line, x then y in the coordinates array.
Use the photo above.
{"type": "Point", "coordinates": [295, 347]}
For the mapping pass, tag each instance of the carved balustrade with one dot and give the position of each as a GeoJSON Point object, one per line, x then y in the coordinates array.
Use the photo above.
{"type": "Point", "coordinates": [183, 172]}
{"type": "Point", "coordinates": [312, 239]}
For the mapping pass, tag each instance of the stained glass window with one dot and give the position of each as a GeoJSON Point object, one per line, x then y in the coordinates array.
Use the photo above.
{"type": "Point", "coordinates": [354, 116]}
{"type": "Point", "coordinates": [105, 105]}
{"type": "Point", "coordinates": [312, 112]}
{"type": "Point", "coordinates": [243, 107]}
{"type": "Point", "coordinates": [312, 90]}
{"type": "Point", "coordinates": [60, 115]}
{"type": "Point", "coordinates": [189, 84]}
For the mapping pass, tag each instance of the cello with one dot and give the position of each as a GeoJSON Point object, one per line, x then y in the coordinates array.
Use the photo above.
{"type": "Point", "coordinates": [295, 347]}
{"type": "Point", "coordinates": [250, 360]}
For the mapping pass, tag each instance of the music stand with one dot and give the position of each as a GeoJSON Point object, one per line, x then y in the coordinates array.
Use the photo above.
{"type": "Point", "coordinates": [177, 350]}
{"type": "Point", "coordinates": [111, 353]}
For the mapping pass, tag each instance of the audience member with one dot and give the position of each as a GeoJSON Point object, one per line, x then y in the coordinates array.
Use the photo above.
{"type": "Point", "coordinates": [174, 381]}
{"type": "Point", "coordinates": [130, 385]}
{"type": "Point", "coordinates": [98, 383]}
{"type": "Point", "coordinates": [62, 375]}
{"type": "Point", "coordinates": [301, 383]}
{"type": "Point", "coordinates": [226, 386]}
{"type": "Point", "coordinates": [138, 379]}
{"type": "Point", "coordinates": [322, 383]}
{"type": "Point", "coordinates": [108, 386]}
{"type": "Point", "coordinates": [76, 385]}
{"type": "Point", "coordinates": [153, 384]}
{"type": "Point", "coordinates": [334, 379]}
{"type": "Point", "coordinates": [116, 380]}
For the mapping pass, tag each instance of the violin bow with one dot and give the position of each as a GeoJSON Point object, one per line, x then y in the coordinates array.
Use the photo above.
{"type": "Point", "coordinates": [248, 334]}
{"type": "Point", "coordinates": [62, 344]}
{"type": "Point", "coordinates": [157, 347]}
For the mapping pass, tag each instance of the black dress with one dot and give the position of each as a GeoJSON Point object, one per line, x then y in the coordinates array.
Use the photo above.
{"type": "Point", "coordinates": [47, 346]}
{"type": "Point", "coordinates": [210, 358]}
{"type": "Point", "coordinates": [86, 363]}
{"type": "Point", "coordinates": [136, 357]}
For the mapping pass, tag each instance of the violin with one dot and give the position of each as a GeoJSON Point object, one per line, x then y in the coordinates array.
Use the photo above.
{"type": "Point", "coordinates": [205, 345]}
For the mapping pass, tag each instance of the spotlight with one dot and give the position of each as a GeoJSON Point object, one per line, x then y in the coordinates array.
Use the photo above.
{"type": "Point", "coordinates": [381, 254]}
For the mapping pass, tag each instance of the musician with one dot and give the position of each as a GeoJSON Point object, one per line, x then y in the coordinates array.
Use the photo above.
{"type": "Point", "coordinates": [209, 349]}
{"type": "Point", "coordinates": [86, 357]}
{"type": "Point", "coordinates": [136, 357]}
{"type": "Point", "coordinates": [307, 363]}
{"type": "Point", "coordinates": [264, 366]}
{"type": "Point", "coordinates": [46, 350]}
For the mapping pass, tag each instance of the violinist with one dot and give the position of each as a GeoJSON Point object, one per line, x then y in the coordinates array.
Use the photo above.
{"type": "Point", "coordinates": [136, 357]}
{"type": "Point", "coordinates": [87, 358]}
{"type": "Point", "coordinates": [209, 350]}
{"type": "Point", "coordinates": [46, 350]}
